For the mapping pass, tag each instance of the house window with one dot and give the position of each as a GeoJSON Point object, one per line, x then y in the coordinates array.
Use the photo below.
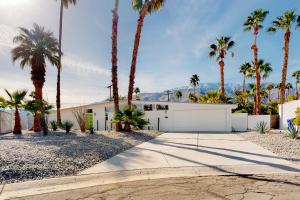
{"type": "Point", "coordinates": [162, 107]}
{"type": "Point", "coordinates": [148, 107]}
{"type": "Point", "coordinates": [89, 110]}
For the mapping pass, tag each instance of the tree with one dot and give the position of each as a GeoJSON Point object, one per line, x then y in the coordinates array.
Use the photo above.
{"type": "Point", "coordinates": [137, 91]}
{"type": "Point", "coordinates": [284, 23]}
{"type": "Point", "coordinates": [278, 87]}
{"type": "Point", "coordinates": [63, 4]}
{"type": "Point", "coordinates": [194, 81]}
{"type": "Point", "coordinates": [114, 61]}
{"type": "Point", "coordinates": [220, 49]}
{"type": "Point", "coordinates": [144, 7]}
{"type": "Point", "coordinates": [35, 46]}
{"type": "Point", "coordinates": [254, 23]}
{"type": "Point", "coordinates": [270, 87]}
{"type": "Point", "coordinates": [178, 94]}
{"type": "Point", "coordinates": [15, 101]}
{"type": "Point", "coordinates": [296, 75]}
{"type": "Point", "coordinates": [213, 97]}
{"type": "Point", "coordinates": [289, 86]}
{"type": "Point", "coordinates": [244, 69]}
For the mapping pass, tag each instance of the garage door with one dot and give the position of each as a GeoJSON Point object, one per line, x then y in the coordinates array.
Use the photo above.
{"type": "Point", "coordinates": [199, 121]}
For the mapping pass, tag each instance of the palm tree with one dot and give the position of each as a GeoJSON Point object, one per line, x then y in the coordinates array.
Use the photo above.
{"type": "Point", "coordinates": [114, 60]}
{"type": "Point", "coordinates": [194, 81]}
{"type": "Point", "coordinates": [178, 94]}
{"type": "Point", "coordinates": [278, 87]}
{"type": "Point", "coordinates": [296, 75]}
{"type": "Point", "coordinates": [63, 4]}
{"type": "Point", "coordinates": [284, 23]}
{"type": "Point", "coordinates": [35, 46]}
{"type": "Point", "coordinates": [264, 69]}
{"type": "Point", "coordinates": [16, 101]}
{"type": "Point", "coordinates": [144, 7]}
{"type": "Point", "coordinates": [254, 23]}
{"type": "Point", "coordinates": [270, 87]}
{"type": "Point", "coordinates": [289, 86]}
{"type": "Point", "coordinates": [244, 69]}
{"type": "Point", "coordinates": [220, 49]}
{"type": "Point", "coordinates": [137, 91]}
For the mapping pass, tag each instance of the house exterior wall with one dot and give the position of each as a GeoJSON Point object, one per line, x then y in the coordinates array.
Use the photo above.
{"type": "Point", "coordinates": [185, 117]}
{"type": "Point", "coordinates": [253, 120]}
{"type": "Point", "coordinates": [6, 120]}
{"type": "Point", "coordinates": [239, 122]}
{"type": "Point", "coordinates": [287, 111]}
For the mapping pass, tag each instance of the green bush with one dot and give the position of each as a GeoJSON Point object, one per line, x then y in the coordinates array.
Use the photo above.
{"type": "Point", "coordinates": [130, 116]}
{"type": "Point", "coordinates": [67, 126]}
{"type": "Point", "coordinates": [53, 125]}
{"type": "Point", "coordinates": [297, 119]}
{"type": "Point", "coordinates": [293, 132]}
{"type": "Point", "coordinates": [262, 127]}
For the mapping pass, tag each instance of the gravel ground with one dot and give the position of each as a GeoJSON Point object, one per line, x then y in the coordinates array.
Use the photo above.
{"type": "Point", "coordinates": [278, 143]}
{"type": "Point", "coordinates": [33, 156]}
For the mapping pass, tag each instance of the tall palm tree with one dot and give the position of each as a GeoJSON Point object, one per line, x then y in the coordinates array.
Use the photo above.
{"type": "Point", "coordinates": [144, 7]}
{"type": "Point", "coordinates": [284, 23]}
{"type": "Point", "coordinates": [178, 94]}
{"type": "Point", "coordinates": [137, 91]}
{"type": "Point", "coordinates": [270, 87]}
{"type": "Point", "coordinates": [244, 69]}
{"type": "Point", "coordinates": [278, 87]}
{"type": "Point", "coordinates": [296, 75]}
{"type": "Point", "coordinates": [194, 81]}
{"type": "Point", "coordinates": [63, 4]}
{"type": "Point", "coordinates": [35, 46]}
{"type": "Point", "coordinates": [289, 86]}
{"type": "Point", "coordinates": [16, 101]}
{"type": "Point", "coordinates": [114, 61]}
{"type": "Point", "coordinates": [220, 49]}
{"type": "Point", "coordinates": [254, 23]}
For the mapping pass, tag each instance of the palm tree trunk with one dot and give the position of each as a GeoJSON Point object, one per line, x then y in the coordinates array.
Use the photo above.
{"type": "Point", "coordinates": [17, 127]}
{"type": "Point", "coordinates": [135, 52]}
{"type": "Point", "coordinates": [287, 36]}
{"type": "Point", "coordinates": [269, 96]}
{"type": "Point", "coordinates": [297, 92]}
{"type": "Point", "coordinates": [258, 78]}
{"type": "Point", "coordinates": [244, 83]}
{"type": "Point", "coordinates": [58, 103]}
{"type": "Point", "coordinates": [194, 90]}
{"type": "Point", "coordinates": [114, 61]}
{"type": "Point", "coordinates": [222, 64]}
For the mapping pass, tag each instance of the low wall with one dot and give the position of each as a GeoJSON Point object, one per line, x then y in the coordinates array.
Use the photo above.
{"type": "Point", "coordinates": [287, 111]}
{"type": "Point", "coordinates": [239, 122]}
{"type": "Point", "coordinates": [253, 120]}
{"type": "Point", "coordinates": [5, 122]}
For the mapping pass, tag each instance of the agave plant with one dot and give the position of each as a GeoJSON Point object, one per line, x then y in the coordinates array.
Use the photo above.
{"type": "Point", "coordinates": [67, 126]}
{"type": "Point", "coordinates": [293, 132]}
{"type": "Point", "coordinates": [262, 127]}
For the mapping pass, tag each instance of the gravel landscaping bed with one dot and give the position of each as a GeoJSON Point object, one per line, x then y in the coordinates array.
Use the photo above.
{"type": "Point", "coordinates": [34, 156]}
{"type": "Point", "coordinates": [278, 143]}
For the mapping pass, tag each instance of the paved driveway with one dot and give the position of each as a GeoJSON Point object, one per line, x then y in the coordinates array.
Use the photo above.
{"type": "Point", "coordinates": [227, 153]}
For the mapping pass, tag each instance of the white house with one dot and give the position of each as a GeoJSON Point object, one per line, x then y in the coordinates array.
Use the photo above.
{"type": "Point", "coordinates": [287, 111]}
{"type": "Point", "coordinates": [163, 116]}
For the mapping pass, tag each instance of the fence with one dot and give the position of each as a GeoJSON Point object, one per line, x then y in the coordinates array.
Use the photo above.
{"type": "Point", "coordinates": [6, 121]}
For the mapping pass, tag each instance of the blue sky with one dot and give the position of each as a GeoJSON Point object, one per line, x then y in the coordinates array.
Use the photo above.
{"type": "Point", "coordinates": [174, 45]}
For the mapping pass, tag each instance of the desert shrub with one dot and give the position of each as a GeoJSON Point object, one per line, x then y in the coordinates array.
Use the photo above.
{"type": "Point", "coordinates": [293, 132]}
{"type": "Point", "coordinates": [290, 97]}
{"type": "Point", "coordinates": [131, 116]}
{"type": "Point", "coordinates": [262, 127]}
{"type": "Point", "coordinates": [67, 126]}
{"type": "Point", "coordinates": [53, 125]}
{"type": "Point", "coordinates": [80, 116]}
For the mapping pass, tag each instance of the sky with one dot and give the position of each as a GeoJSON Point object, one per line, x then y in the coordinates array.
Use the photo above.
{"type": "Point", "coordinates": [174, 44]}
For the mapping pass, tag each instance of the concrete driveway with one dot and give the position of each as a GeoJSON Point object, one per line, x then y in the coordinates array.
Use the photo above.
{"type": "Point", "coordinates": [226, 153]}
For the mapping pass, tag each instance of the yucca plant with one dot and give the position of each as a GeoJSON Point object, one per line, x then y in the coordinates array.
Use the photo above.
{"type": "Point", "coordinates": [262, 127]}
{"type": "Point", "coordinates": [53, 125]}
{"type": "Point", "coordinates": [293, 132]}
{"type": "Point", "coordinates": [67, 126]}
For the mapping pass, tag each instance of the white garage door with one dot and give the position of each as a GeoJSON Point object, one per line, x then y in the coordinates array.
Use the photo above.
{"type": "Point", "coordinates": [199, 120]}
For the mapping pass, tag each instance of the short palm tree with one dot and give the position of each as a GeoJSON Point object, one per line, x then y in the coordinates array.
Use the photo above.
{"type": "Point", "coordinates": [289, 86]}
{"type": "Point", "coordinates": [254, 23]}
{"type": "Point", "coordinates": [244, 69]}
{"type": "Point", "coordinates": [114, 62]}
{"type": "Point", "coordinates": [270, 87]}
{"type": "Point", "coordinates": [63, 4]}
{"type": "Point", "coordinates": [178, 94]}
{"type": "Point", "coordinates": [16, 102]}
{"type": "Point", "coordinates": [220, 49]}
{"type": "Point", "coordinates": [137, 91]}
{"type": "Point", "coordinates": [194, 81]}
{"type": "Point", "coordinates": [144, 7]}
{"type": "Point", "coordinates": [35, 47]}
{"type": "Point", "coordinates": [296, 75]}
{"type": "Point", "coordinates": [284, 23]}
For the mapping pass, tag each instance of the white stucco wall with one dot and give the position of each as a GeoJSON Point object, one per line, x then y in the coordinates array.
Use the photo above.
{"type": "Point", "coordinates": [253, 120]}
{"type": "Point", "coordinates": [287, 111]}
{"type": "Point", "coordinates": [6, 120]}
{"type": "Point", "coordinates": [239, 122]}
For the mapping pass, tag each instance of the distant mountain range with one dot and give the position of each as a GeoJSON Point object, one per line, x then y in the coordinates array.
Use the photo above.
{"type": "Point", "coordinates": [230, 89]}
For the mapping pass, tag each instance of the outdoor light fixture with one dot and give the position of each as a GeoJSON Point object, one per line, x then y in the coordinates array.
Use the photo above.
{"type": "Point", "coordinates": [166, 114]}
